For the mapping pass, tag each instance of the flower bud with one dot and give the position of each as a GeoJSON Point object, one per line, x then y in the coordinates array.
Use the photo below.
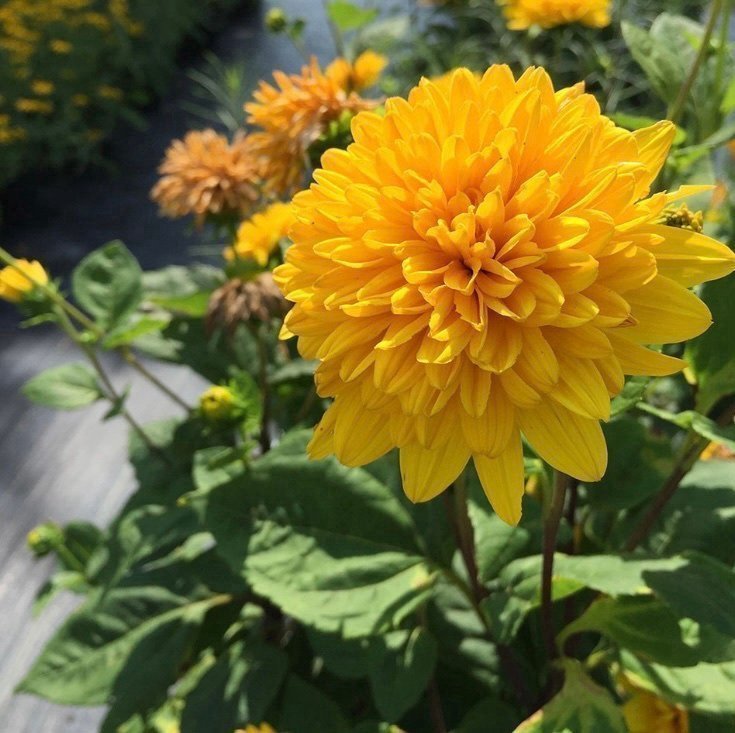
{"type": "Point", "coordinates": [45, 538]}
{"type": "Point", "coordinates": [276, 20]}
{"type": "Point", "coordinates": [19, 281]}
{"type": "Point", "coordinates": [217, 404]}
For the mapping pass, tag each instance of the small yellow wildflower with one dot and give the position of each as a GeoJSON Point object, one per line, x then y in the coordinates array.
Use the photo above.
{"type": "Point", "coordinates": [32, 106]}
{"type": "Point", "coordinates": [61, 47]}
{"type": "Point", "coordinates": [646, 713]}
{"type": "Point", "coordinates": [522, 14]}
{"type": "Point", "coordinates": [109, 92]}
{"type": "Point", "coordinates": [364, 72]}
{"type": "Point", "coordinates": [80, 100]}
{"type": "Point", "coordinates": [16, 284]}
{"type": "Point", "coordinates": [217, 403]}
{"type": "Point", "coordinates": [262, 728]}
{"type": "Point", "coordinates": [42, 88]}
{"type": "Point", "coordinates": [258, 237]}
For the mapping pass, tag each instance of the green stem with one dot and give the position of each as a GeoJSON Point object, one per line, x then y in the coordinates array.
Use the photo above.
{"type": "Point", "coordinates": [677, 108]}
{"type": "Point", "coordinates": [139, 367]}
{"type": "Point", "coordinates": [554, 512]}
{"type": "Point", "coordinates": [723, 50]}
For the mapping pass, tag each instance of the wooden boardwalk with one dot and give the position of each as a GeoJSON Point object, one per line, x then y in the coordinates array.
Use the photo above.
{"type": "Point", "coordinates": [65, 466]}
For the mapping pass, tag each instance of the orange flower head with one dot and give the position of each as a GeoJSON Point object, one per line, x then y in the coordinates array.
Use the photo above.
{"type": "Point", "coordinates": [206, 174]}
{"type": "Point", "coordinates": [292, 115]}
{"type": "Point", "coordinates": [522, 14]}
{"type": "Point", "coordinates": [486, 260]}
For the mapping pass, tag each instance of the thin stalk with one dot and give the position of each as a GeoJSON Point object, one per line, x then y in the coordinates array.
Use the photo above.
{"type": "Point", "coordinates": [265, 439]}
{"type": "Point", "coordinates": [139, 367]}
{"type": "Point", "coordinates": [339, 44]}
{"type": "Point", "coordinates": [552, 520]}
{"type": "Point", "coordinates": [435, 707]}
{"type": "Point", "coordinates": [693, 448]}
{"type": "Point", "coordinates": [677, 108]}
{"type": "Point", "coordinates": [723, 45]}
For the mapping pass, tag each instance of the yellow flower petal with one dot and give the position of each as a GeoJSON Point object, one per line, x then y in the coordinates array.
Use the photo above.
{"type": "Point", "coordinates": [640, 361]}
{"type": "Point", "coordinates": [502, 480]}
{"type": "Point", "coordinates": [426, 473]}
{"type": "Point", "coordinates": [572, 444]}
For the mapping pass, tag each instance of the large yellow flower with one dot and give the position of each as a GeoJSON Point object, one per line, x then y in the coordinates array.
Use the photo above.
{"type": "Point", "coordinates": [646, 713]}
{"type": "Point", "coordinates": [485, 261]}
{"type": "Point", "coordinates": [15, 284]}
{"type": "Point", "coordinates": [292, 115]}
{"type": "Point", "coordinates": [522, 14]}
{"type": "Point", "coordinates": [257, 237]}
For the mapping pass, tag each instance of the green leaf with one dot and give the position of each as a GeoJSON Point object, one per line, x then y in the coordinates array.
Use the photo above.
{"type": "Point", "coordinates": [331, 546]}
{"type": "Point", "coordinates": [639, 463]}
{"type": "Point", "coordinates": [633, 392]}
{"type": "Point", "coordinates": [711, 356]}
{"type": "Point", "coordinates": [401, 664]}
{"type": "Point", "coordinates": [291, 371]}
{"type": "Point", "coordinates": [237, 689]}
{"type": "Point", "coordinates": [217, 466]}
{"type": "Point", "coordinates": [691, 420]}
{"type": "Point", "coordinates": [69, 580]}
{"type": "Point", "coordinates": [107, 284]}
{"type": "Point", "coordinates": [304, 708]}
{"type": "Point", "coordinates": [650, 629]}
{"type": "Point", "coordinates": [128, 642]}
{"type": "Point", "coordinates": [349, 17]}
{"type": "Point", "coordinates": [66, 387]}
{"type": "Point", "coordinates": [707, 688]}
{"type": "Point", "coordinates": [132, 329]}
{"type": "Point", "coordinates": [183, 289]}
{"type": "Point", "coordinates": [582, 706]}
{"type": "Point", "coordinates": [503, 717]}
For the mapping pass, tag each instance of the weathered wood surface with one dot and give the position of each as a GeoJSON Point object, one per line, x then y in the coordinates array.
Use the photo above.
{"type": "Point", "coordinates": [65, 466]}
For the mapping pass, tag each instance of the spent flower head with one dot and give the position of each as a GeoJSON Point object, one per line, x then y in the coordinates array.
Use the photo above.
{"type": "Point", "coordinates": [486, 261]}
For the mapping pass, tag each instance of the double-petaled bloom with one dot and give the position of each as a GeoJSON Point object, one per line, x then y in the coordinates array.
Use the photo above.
{"type": "Point", "coordinates": [522, 14]}
{"type": "Point", "coordinates": [258, 236]}
{"type": "Point", "coordinates": [295, 111]}
{"type": "Point", "coordinates": [486, 261]}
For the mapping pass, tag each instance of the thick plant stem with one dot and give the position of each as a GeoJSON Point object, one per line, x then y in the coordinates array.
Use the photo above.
{"type": "Point", "coordinates": [554, 512]}
{"type": "Point", "coordinates": [692, 450]}
{"type": "Point", "coordinates": [435, 708]}
{"type": "Point", "coordinates": [677, 108]}
{"type": "Point", "coordinates": [465, 536]}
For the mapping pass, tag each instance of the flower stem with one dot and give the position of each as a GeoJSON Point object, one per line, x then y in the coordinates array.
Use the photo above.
{"type": "Point", "coordinates": [554, 512]}
{"type": "Point", "coordinates": [139, 367]}
{"type": "Point", "coordinates": [693, 448]}
{"type": "Point", "coordinates": [677, 108]}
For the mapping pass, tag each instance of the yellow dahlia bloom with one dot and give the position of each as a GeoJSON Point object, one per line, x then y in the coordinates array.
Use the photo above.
{"type": "Point", "coordinates": [522, 14]}
{"type": "Point", "coordinates": [15, 284]}
{"type": "Point", "coordinates": [258, 237]}
{"type": "Point", "coordinates": [292, 115]}
{"type": "Point", "coordinates": [646, 713]}
{"type": "Point", "coordinates": [206, 174]}
{"type": "Point", "coordinates": [485, 261]}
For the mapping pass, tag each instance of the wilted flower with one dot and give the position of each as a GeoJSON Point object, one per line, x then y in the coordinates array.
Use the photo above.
{"type": "Point", "coordinates": [206, 174]}
{"type": "Point", "coordinates": [243, 301]}
{"type": "Point", "coordinates": [292, 115]}
{"type": "Point", "coordinates": [485, 260]}
{"type": "Point", "coordinates": [16, 284]}
{"type": "Point", "coordinates": [646, 713]}
{"type": "Point", "coordinates": [522, 14]}
{"type": "Point", "coordinates": [217, 403]}
{"type": "Point", "coordinates": [258, 236]}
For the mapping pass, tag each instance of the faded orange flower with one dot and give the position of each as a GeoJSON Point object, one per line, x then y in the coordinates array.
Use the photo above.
{"type": "Point", "coordinates": [485, 261]}
{"type": "Point", "coordinates": [204, 174]}
{"type": "Point", "coordinates": [292, 114]}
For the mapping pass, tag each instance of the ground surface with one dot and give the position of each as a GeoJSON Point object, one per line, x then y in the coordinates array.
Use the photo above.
{"type": "Point", "coordinates": [69, 466]}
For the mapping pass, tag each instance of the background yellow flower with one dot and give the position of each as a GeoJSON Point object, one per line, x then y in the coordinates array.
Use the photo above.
{"type": "Point", "coordinates": [522, 14]}
{"type": "Point", "coordinates": [258, 237]}
{"type": "Point", "coordinates": [14, 285]}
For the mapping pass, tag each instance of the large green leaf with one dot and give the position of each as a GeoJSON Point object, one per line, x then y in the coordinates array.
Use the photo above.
{"type": "Point", "coordinates": [348, 16]}
{"type": "Point", "coordinates": [653, 631]}
{"type": "Point", "coordinates": [66, 387]}
{"type": "Point", "coordinates": [711, 357]}
{"type": "Point", "coordinates": [708, 688]}
{"type": "Point", "coordinates": [128, 642]}
{"type": "Point", "coordinates": [582, 706]}
{"type": "Point", "coordinates": [331, 546]}
{"type": "Point", "coordinates": [304, 708]}
{"type": "Point", "coordinates": [107, 284]}
{"type": "Point", "coordinates": [400, 665]}
{"type": "Point", "coordinates": [639, 463]}
{"type": "Point", "coordinates": [182, 289]}
{"type": "Point", "coordinates": [504, 718]}
{"type": "Point", "coordinates": [236, 690]}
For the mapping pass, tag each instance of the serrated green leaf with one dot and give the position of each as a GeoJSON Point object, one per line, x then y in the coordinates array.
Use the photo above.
{"type": "Point", "coordinates": [331, 546]}
{"type": "Point", "coordinates": [707, 688]}
{"type": "Point", "coordinates": [400, 665]}
{"type": "Point", "coordinates": [132, 329]}
{"type": "Point", "coordinates": [242, 684]}
{"type": "Point", "coordinates": [66, 387]}
{"type": "Point", "coordinates": [582, 706]}
{"type": "Point", "coordinates": [107, 284]}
